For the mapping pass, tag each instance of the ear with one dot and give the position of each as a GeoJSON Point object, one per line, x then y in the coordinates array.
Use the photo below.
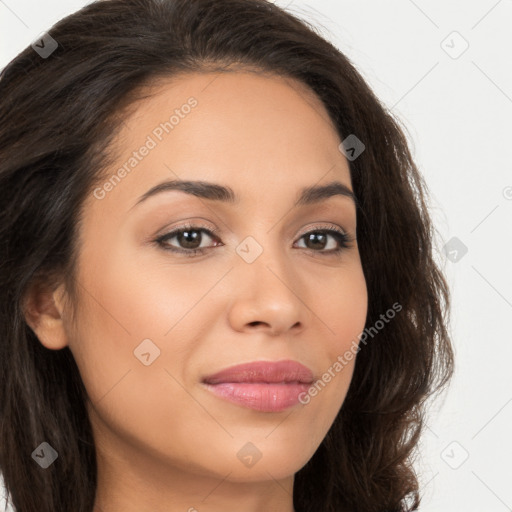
{"type": "Point", "coordinates": [43, 310]}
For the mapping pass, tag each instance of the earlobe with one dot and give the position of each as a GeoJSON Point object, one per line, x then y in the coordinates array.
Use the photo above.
{"type": "Point", "coordinates": [43, 310]}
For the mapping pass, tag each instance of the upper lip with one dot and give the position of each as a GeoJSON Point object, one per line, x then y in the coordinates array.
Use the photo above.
{"type": "Point", "coordinates": [264, 372]}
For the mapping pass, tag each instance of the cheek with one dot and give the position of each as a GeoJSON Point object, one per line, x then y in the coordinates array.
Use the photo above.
{"type": "Point", "coordinates": [343, 309]}
{"type": "Point", "coordinates": [134, 312]}
{"type": "Point", "coordinates": [118, 310]}
{"type": "Point", "coordinates": [133, 399]}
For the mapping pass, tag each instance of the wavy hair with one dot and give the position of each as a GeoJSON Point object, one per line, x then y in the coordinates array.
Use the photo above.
{"type": "Point", "coordinates": [59, 115]}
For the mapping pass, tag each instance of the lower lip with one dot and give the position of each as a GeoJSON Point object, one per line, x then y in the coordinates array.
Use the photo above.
{"type": "Point", "coordinates": [260, 396]}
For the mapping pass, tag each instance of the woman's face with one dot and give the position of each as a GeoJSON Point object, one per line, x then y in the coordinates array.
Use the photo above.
{"type": "Point", "coordinates": [155, 319]}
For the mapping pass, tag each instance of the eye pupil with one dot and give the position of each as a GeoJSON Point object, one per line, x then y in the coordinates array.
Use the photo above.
{"type": "Point", "coordinates": [314, 238]}
{"type": "Point", "coordinates": [188, 238]}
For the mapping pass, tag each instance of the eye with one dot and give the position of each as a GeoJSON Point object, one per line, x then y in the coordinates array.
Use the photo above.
{"type": "Point", "coordinates": [189, 238]}
{"type": "Point", "coordinates": [317, 240]}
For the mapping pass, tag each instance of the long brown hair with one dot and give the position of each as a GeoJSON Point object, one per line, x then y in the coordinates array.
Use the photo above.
{"type": "Point", "coordinates": [59, 113]}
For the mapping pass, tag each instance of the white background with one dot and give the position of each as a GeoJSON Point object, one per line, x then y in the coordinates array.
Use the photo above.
{"type": "Point", "coordinates": [458, 115]}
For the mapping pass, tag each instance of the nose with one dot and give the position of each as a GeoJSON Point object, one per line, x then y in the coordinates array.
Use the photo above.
{"type": "Point", "coordinates": [267, 297]}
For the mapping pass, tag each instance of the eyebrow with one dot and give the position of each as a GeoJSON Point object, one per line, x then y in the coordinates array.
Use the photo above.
{"type": "Point", "coordinates": [216, 192]}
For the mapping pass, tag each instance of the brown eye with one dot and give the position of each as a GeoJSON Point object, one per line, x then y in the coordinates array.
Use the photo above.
{"type": "Point", "coordinates": [318, 240]}
{"type": "Point", "coordinates": [188, 239]}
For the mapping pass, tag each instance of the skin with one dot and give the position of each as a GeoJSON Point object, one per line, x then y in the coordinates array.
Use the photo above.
{"type": "Point", "coordinates": [164, 442]}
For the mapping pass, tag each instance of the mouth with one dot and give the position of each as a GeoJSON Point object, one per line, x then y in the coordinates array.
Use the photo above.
{"type": "Point", "coordinates": [264, 386]}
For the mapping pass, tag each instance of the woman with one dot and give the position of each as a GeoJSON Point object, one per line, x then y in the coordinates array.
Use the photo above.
{"type": "Point", "coordinates": [218, 290]}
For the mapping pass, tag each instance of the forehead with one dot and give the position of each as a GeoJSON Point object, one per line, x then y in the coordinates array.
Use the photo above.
{"type": "Point", "coordinates": [243, 128]}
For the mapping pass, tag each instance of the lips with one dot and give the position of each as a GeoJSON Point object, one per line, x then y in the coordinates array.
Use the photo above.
{"type": "Point", "coordinates": [262, 386]}
{"type": "Point", "coordinates": [265, 372]}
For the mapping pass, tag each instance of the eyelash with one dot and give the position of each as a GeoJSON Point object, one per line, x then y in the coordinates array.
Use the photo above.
{"type": "Point", "coordinates": [341, 237]}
